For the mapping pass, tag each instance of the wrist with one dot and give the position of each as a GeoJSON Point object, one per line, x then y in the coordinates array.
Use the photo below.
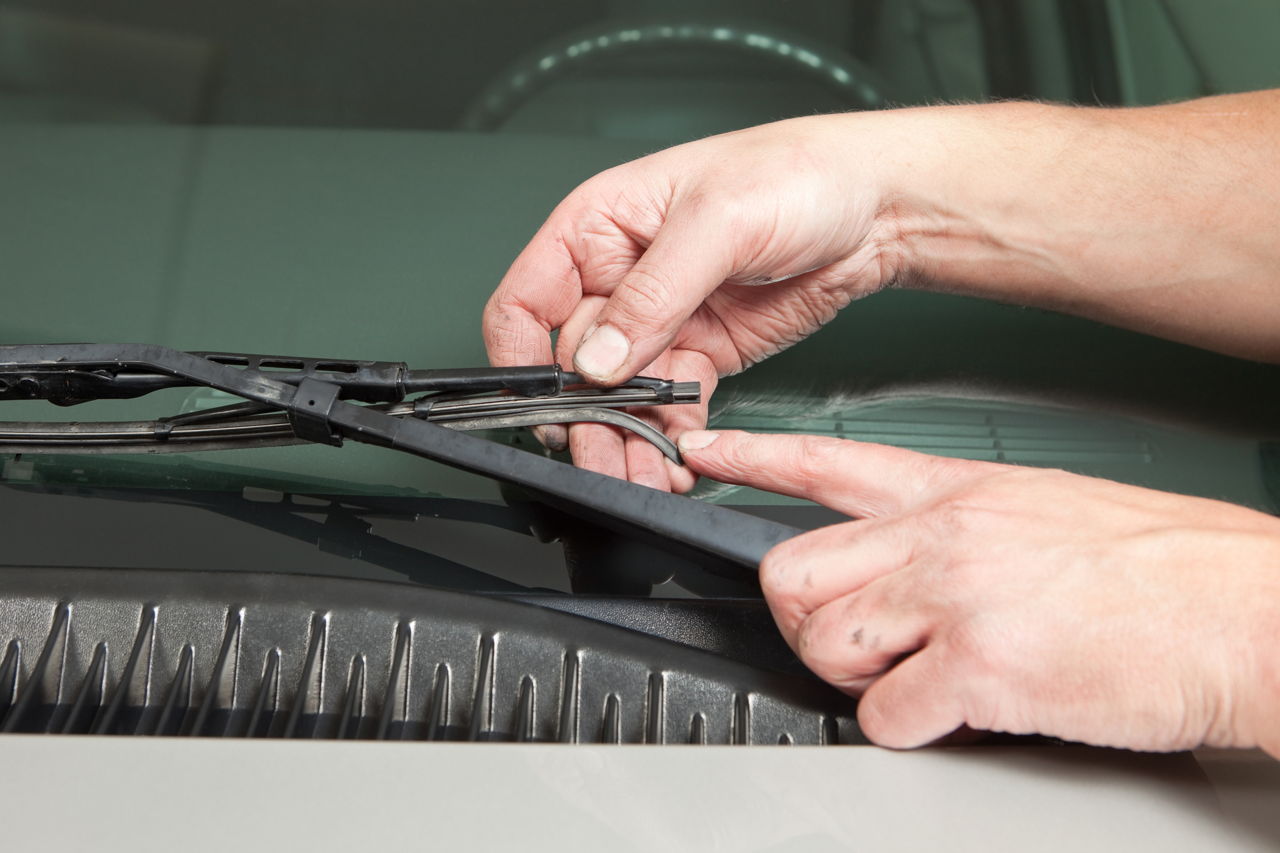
{"type": "Point", "coordinates": [981, 203]}
{"type": "Point", "coordinates": [1148, 218]}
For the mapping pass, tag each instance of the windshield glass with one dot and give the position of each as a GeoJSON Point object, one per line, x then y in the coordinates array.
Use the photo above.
{"type": "Point", "coordinates": [350, 180]}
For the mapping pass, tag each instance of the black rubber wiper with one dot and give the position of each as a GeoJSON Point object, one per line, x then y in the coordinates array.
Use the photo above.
{"type": "Point", "coordinates": [328, 401]}
{"type": "Point", "coordinates": [462, 399]}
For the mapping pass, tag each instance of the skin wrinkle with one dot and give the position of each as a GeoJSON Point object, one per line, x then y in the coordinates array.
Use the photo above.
{"type": "Point", "coordinates": [648, 290]}
{"type": "Point", "coordinates": [508, 336]}
{"type": "Point", "coordinates": [719, 336]}
{"type": "Point", "coordinates": [776, 330]}
{"type": "Point", "coordinates": [602, 268]}
{"type": "Point", "coordinates": [734, 367]}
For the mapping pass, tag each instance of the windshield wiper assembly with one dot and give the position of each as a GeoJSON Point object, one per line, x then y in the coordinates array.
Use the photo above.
{"type": "Point", "coordinates": [291, 400]}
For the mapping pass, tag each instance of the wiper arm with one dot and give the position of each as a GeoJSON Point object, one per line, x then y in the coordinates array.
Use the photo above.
{"type": "Point", "coordinates": [316, 398]}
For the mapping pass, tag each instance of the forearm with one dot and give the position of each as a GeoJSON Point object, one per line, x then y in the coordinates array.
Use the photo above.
{"type": "Point", "coordinates": [1163, 219]}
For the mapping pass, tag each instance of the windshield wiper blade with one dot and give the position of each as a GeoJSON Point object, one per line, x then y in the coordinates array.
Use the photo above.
{"type": "Point", "coordinates": [247, 425]}
{"type": "Point", "coordinates": [94, 377]}
{"type": "Point", "coordinates": [525, 396]}
{"type": "Point", "coordinates": [318, 403]}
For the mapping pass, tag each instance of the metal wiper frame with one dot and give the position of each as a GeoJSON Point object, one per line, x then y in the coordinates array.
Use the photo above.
{"type": "Point", "coordinates": [317, 399]}
{"type": "Point", "coordinates": [527, 396]}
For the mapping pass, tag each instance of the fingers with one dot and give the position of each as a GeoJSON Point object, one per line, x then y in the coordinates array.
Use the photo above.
{"type": "Point", "coordinates": [852, 640]}
{"type": "Point", "coordinates": [556, 436]}
{"type": "Point", "coordinates": [805, 573]}
{"type": "Point", "coordinates": [572, 330]}
{"type": "Point", "coordinates": [535, 296]}
{"type": "Point", "coordinates": [676, 420]}
{"type": "Point", "coordinates": [915, 703]}
{"type": "Point", "coordinates": [598, 448]}
{"type": "Point", "coordinates": [645, 463]}
{"type": "Point", "coordinates": [688, 259]}
{"type": "Point", "coordinates": [858, 479]}
{"type": "Point", "coordinates": [851, 600]}
{"type": "Point", "coordinates": [552, 436]}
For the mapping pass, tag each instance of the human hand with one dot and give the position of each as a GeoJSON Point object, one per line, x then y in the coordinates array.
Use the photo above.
{"type": "Point", "coordinates": [1007, 599]}
{"type": "Point", "coordinates": [661, 265]}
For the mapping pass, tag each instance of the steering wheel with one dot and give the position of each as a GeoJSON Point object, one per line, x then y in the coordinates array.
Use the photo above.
{"type": "Point", "coordinates": [847, 76]}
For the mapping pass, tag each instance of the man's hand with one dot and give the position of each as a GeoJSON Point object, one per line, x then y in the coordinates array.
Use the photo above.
{"type": "Point", "coordinates": [694, 263]}
{"type": "Point", "coordinates": [700, 260]}
{"type": "Point", "coordinates": [1019, 600]}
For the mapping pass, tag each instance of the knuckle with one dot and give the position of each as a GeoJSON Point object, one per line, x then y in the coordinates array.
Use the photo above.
{"type": "Point", "coordinates": [994, 501]}
{"type": "Point", "coordinates": [822, 451]}
{"type": "Point", "coordinates": [774, 581]}
{"type": "Point", "coordinates": [496, 311]}
{"type": "Point", "coordinates": [1013, 482]}
{"type": "Point", "coordinates": [837, 647]}
{"type": "Point", "coordinates": [813, 457]}
{"type": "Point", "coordinates": [825, 658]}
{"type": "Point", "coordinates": [781, 579]}
{"type": "Point", "coordinates": [701, 198]}
{"type": "Point", "coordinates": [965, 574]}
{"type": "Point", "coordinates": [944, 472]}
{"type": "Point", "coordinates": [502, 332]}
{"type": "Point", "coordinates": [588, 195]}
{"type": "Point", "coordinates": [965, 513]}
{"type": "Point", "coordinates": [746, 451]}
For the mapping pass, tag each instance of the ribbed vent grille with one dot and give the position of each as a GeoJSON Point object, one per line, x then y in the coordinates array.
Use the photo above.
{"type": "Point", "coordinates": [248, 656]}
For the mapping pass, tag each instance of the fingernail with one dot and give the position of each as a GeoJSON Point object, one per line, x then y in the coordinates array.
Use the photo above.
{"type": "Point", "coordinates": [696, 439]}
{"type": "Point", "coordinates": [602, 352]}
{"type": "Point", "coordinates": [552, 436]}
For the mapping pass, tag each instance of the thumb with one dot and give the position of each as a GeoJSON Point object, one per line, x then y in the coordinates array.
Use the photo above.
{"type": "Point", "coordinates": [688, 259]}
{"type": "Point", "coordinates": [853, 477]}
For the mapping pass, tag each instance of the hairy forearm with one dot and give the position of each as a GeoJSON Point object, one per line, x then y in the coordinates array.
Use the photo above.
{"type": "Point", "coordinates": [1162, 219]}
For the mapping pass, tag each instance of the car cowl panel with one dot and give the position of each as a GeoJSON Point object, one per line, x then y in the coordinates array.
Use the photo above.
{"type": "Point", "coordinates": [269, 655]}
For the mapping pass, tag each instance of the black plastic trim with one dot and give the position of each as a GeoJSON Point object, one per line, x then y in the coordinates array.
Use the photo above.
{"type": "Point", "coordinates": [241, 655]}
